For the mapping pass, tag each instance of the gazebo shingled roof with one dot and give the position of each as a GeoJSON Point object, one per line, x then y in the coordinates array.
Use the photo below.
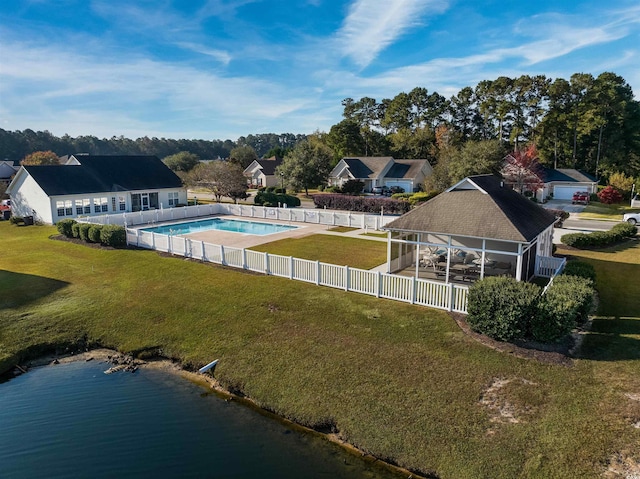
{"type": "Point", "coordinates": [479, 206]}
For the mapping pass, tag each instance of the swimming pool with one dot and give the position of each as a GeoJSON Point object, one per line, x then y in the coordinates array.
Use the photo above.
{"type": "Point", "coordinates": [234, 226]}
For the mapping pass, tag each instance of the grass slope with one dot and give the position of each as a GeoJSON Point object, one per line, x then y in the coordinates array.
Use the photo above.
{"type": "Point", "coordinates": [399, 381]}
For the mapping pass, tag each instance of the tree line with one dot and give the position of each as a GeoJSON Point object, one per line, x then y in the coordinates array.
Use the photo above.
{"type": "Point", "coordinates": [16, 145]}
{"type": "Point", "coordinates": [589, 123]}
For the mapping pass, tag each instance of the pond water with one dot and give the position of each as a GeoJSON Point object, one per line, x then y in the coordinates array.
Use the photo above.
{"type": "Point", "coordinates": [72, 420]}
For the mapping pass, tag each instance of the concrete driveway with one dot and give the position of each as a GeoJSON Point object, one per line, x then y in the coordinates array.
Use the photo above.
{"type": "Point", "coordinates": [564, 205]}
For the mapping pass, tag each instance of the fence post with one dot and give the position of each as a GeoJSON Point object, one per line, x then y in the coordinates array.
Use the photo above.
{"type": "Point", "coordinates": [317, 273]}
{"type": "Point", "coordinates": [204, 258]}
{"type": "Point", "coordinates": [244, 258]}
{"type": "Point", "coordinates": [451, 295]}
{"type": "Point", "coordinates": [138, 238]}
{"type": "Point", "coordinates": [333, 215]}
{"type": "Point", "coordinates": [266, 263]}
{"type": "Point", "coordinates": [186, 250]}
{"type": "Point", "coordinates": [379, 284]}
{"type": "Point", "coordinates": [153, 240]}
{"type": "Point", "coordinates": [346, 278]}
{"type": "Point", "coordinates": [290, 267]}
{"type": "Point", "coordinates": [222, 262]}
{"type": "Point", "coordinates": [414, 284]}
{"type": "Point", "coordinates": [169, 245]}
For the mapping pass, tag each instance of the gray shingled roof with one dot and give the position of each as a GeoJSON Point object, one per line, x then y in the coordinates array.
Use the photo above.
{"type": "Point", "coordinates": [567, 174]}
{"type": "Point", "coordinates": [408, 169]}
{"type": "Point", "coordinates": [98, 174]}
{"type": "Point", "coordinates": [269, 165]}
{"type": "Point", "coordinates": [368, 166]}
{"type": "Point", "coordinates": [500, 213]}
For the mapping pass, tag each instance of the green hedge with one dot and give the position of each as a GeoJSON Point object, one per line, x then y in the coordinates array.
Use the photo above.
{"type": "Point", "coordinates": [64, 227]}
{"type": "Point", "coordinates": [266, 198]}
{"type": "Point", "coordinates": [581, 269]}
{"type": "Point", "coordinates": [75, 230]}
{"type": "Point", "coordinates": [113, 235]}
{"type": "Point", "coordinates": [618, 233]}
{"type": "Point", "coordinates": [502, 307]}
{"type": "Point", "coordinates": [507, 310]}
{"type": "Point", "coordinates": [94, 234]}
{"type": "Point", "coordinates": [83, 231]}
{"type": "Point", "coordinates": [566, 303]}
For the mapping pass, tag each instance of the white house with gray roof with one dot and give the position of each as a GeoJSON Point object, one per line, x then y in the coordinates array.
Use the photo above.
{"type": "Point", "coordinates": [88, 185]}
{"type": "Point", "coordinates": [381, 171]}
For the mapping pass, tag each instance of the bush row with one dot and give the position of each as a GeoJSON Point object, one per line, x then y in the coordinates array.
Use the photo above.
{"type": "Point", "coordinates": [361, 204]}
{"type": "Point", "coordinates": [108, 235]}
{"type": "Point", "coordinates": [266, 198]}
{"type": "Point", "coordinates": [618, 233]}
{"type": "Point", "coordinates": [507, 310]}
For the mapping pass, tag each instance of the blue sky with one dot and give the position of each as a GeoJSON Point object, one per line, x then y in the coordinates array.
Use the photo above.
{"type": "Point", "coordinates": [218, 69]}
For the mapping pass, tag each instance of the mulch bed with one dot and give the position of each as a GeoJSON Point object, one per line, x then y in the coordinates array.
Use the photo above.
{"type": "Point", "coordinates": [544, 353]}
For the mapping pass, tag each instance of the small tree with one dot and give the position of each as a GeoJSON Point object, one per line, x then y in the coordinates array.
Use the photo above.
{"type": "Point", "coordinates": [622, 183]}
{"type": "Point", "coordinates": [222, 178]}
{"type": "Point", "coordinates": [609, 196]}
{"type": "Point", "coordinates": [41, 158]}
{"type": "Point", "coordinates": [352, 187]}
{"type": "Point", "coordinates": [182, 161]}
{"type": "Point", "coordinates": [243, 156]}
{"type": "Point", "coordinates": [307, 166]}
{"type": "Point", "coordinates": [522, 169]}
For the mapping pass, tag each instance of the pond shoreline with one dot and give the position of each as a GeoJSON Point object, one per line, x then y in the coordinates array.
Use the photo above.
{"type": "Point", "coordinates": [206, 380]}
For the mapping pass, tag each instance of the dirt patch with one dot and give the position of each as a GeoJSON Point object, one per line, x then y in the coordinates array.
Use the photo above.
{"type": "Point", "coordinates": [623, 465]}
{"type": "Point", "coordinates": [503, 399]}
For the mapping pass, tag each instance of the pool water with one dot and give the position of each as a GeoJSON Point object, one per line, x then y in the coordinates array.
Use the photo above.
{"type": "Point", "coordinates": [234, 226]}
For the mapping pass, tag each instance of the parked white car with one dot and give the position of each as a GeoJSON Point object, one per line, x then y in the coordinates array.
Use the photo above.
{"type": "Point", "coordinates": [633, 218]}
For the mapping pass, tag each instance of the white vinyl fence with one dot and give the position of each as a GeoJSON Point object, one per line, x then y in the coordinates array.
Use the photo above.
{"type": "Point", "coordinates": [450, 297]}
{"type": "Point", "coordinates": [317, 216]}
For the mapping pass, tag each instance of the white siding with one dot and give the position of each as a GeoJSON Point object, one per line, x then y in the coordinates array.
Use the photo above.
{"type": "Point", "coordinates": [27, 197]}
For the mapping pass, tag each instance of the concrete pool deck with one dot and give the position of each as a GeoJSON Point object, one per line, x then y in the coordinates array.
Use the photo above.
{"type": "Point", "coordinates": [241, 240]}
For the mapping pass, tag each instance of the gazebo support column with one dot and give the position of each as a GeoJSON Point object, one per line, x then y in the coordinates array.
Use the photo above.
{"type": "Point", "coordinates": [519, 263]}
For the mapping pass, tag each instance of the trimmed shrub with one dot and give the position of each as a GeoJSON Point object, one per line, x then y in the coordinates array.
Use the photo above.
{"type": "Point", "coordinates": [362, 204]}
{"type": "Point", "coordinates": [266, 198]}
{"type": "Point", "coordinates": [353, 187]}
{"type": "Point", "coordinates": [581, 269]}
{"type": "Point", "coordinates": [421, 197]}
{"type": "Point", "coordinates": [64, 227]}
{"type": "Point", "coordinates": [566, 304]}
{"type": "Point", "coordinates": [502, 307]}
{"type": "Point", "coordinates": [113, 235]}
{"type": "Point", "coordinates": [618, 233]}
{"type": "Point", "coordinates": [83, 231]}
{"type": "Point", "coordinates": [94, 233]}
{"type": "Point", "coordinates": [581, 289]}
{"type": "Point", "coordinates": [75, 230]}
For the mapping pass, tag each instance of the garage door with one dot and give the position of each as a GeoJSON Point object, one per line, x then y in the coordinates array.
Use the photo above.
{"type": "Point", "coordinates": [566, 192]}
{"type": "Point", "coordinates": [405, 185]}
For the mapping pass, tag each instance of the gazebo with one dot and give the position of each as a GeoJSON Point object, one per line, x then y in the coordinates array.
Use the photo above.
{"type": "Point", "coordinates": [479, 227]}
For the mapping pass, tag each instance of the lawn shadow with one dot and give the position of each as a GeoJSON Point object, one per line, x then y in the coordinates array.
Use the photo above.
{"type": "Point", "coordinates": [19, 289]}
{"type": "Point", "coordinates": [612, 339]}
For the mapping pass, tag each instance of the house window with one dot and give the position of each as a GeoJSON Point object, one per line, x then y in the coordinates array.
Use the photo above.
{"type": "Point", "coordinates": [113, 203]}
{"type": "Point", "coordinates": [123, 203]}
{"type": "Point", "coordinates": [86, 204]}
{"type": "Point", "coordinates": [68, 207]}
{"type": "Point", "coordinates": [101, 205]}
{"type": "Point", "coordinates": [173, 198]}
{"type": "Point", "coordinates": [79, 209]}
{"type": "Point", "coordinates": [60, 207]}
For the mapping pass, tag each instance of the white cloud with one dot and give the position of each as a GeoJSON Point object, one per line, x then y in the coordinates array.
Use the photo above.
{"type": "Point", "coordinates": [220, 55]}
{"type": "Point", "coordinates": [372, 25]}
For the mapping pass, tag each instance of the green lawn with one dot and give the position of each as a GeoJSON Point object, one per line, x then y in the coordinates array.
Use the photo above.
{"type": "Point", "coordinates": [359, 253]}
{"type": "Point", "coordinates": [600, 211]}
{"type": "Point", "coordinates": [401, 382]}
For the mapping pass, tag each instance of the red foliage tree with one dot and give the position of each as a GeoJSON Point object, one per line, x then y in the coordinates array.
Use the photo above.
{"type": "Point", "coordinates": [522, 170]}
{"type": "Point", "coordinates": [609, 196]}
